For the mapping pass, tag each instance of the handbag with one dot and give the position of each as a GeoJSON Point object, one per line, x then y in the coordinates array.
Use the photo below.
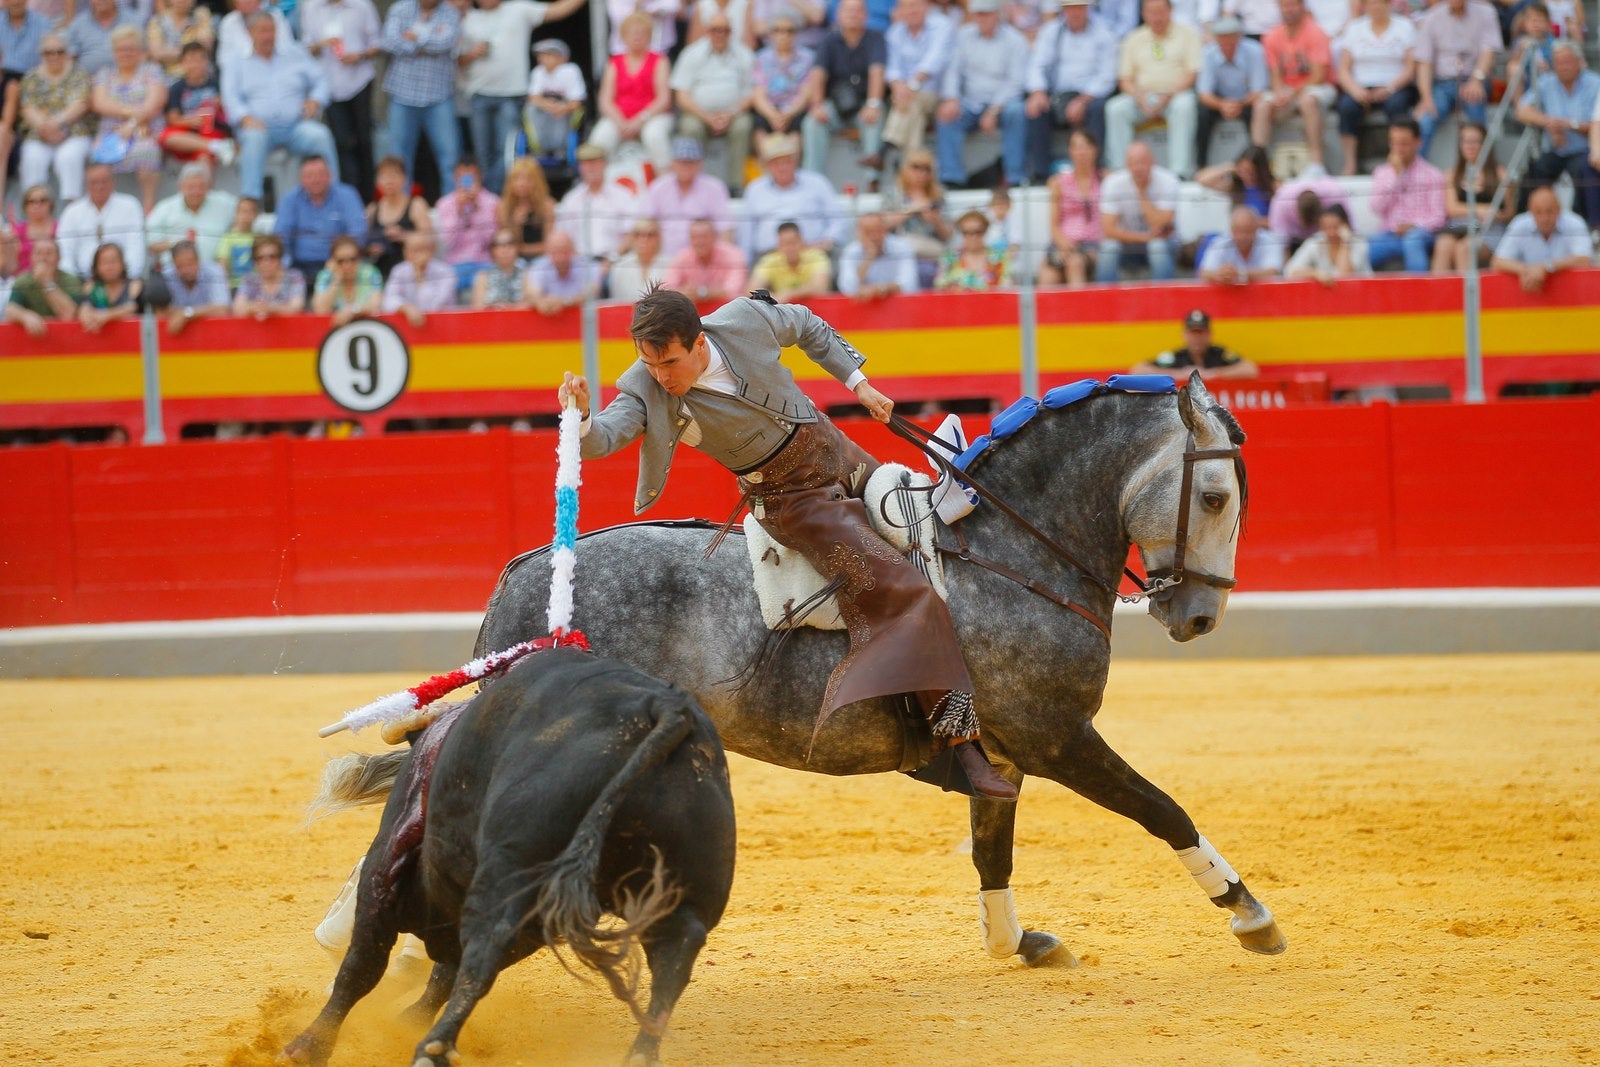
{"type": "Point", "coordinates": [848, 96]}
{"type": "Point", "coordinates": [111, 147]}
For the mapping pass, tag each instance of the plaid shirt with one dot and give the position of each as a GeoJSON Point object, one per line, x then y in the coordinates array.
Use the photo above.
{"type": "Point", "coordinates": [423, 71]}
{"type": "Point", "coordinates": [1415, 196]}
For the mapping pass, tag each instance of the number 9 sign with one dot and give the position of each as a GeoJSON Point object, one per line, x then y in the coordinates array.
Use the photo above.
{"type": "Point", "coordinates": [363, 365]}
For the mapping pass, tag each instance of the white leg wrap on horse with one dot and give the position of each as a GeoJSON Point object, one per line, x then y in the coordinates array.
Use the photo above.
{"type": "Point", "coordinates": [334, 931]}
{"type": "Point", "coordinates": [997, 911]}
{"type": "Point", "coordinates": [1208, 868]}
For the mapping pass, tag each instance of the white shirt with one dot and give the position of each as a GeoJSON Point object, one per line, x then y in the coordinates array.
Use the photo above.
{"type": "Point", "coordinates": [596, 222]}
{"type": "Point", "coordinates": [566, 82]}
{"type": "Point", "coordinates": [355, 26]}
{"type": "Point", "coordinates": [233, 39]}
{"type": "Point", "coordinates": [1333, 16]}
{"type": "Point", "coordinates": [716, 81]}
{"type": "Point", "coordinates": [507, 30]}
{"type": "Point", "coordinates": [630, 278]}
{"type": "Point", "coordinates": [1119, 197]}
{"type": "Point", "coordinates": [1376, 60]}
{"type": "Point", "coordinates": [84, 227]}
{"type": "Point", "coordinates": [1523, 243]}
{"type": "Point", "coordinates": [172, 221]}
{"type": "Point", "coordinates": [719, 379]}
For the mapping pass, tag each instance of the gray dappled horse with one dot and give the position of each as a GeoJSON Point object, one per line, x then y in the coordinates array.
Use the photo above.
{"type": "Point", "coordinates": [1094, 476]}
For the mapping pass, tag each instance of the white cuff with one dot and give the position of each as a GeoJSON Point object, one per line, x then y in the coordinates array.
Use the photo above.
{"type": "Point", "coordinates": [855, 379]}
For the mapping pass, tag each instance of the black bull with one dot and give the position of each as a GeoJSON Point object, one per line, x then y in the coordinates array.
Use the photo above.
{"type": "Point", "coordinates": [574, 787]}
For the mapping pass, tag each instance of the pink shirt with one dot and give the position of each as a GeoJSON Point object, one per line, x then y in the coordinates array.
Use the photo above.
{"type": "Point", "coordinates": [465, 233]}
{"type": "Point", "coordinates": [674, 209]}
{"type": "Point", "coordinates": [725, 273]}
{"type": "Point", "coordinates": [1080, 216]}
{"type": "Point", "coordinates": [1414, 197]}
{"type": "Point", "coordinates": [1293, 57]}
{"type": "Point", "coordinates": [1283, 214]}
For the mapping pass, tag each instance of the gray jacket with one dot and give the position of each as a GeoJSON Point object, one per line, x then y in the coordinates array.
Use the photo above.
{"type": "Point", "coordinates": [750, 334]}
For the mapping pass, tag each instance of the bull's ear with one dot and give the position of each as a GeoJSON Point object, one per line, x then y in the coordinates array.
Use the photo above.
{"type": "Point", "coordinates": [1193, 398]}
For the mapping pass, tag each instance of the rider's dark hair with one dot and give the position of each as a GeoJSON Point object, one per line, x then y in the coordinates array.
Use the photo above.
{"type": "Point", "coordinates": [663, 316]}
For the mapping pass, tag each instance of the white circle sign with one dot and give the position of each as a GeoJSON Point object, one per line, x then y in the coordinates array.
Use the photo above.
{"type": "Point", "coordinates": [363, 365]}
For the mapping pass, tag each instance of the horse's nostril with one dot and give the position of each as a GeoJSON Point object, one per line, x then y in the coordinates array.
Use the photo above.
{"type": "Point", "coordinates": [1202, 625]}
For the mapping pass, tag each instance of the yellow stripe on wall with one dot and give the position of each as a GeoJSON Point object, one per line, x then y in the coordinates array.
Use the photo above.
{"type": "Point", "coordinates": [61, 379]}
{"type": "Point", "coordinates": [514, 365]}
{"type": "Point", "coordinates": [257, 372]}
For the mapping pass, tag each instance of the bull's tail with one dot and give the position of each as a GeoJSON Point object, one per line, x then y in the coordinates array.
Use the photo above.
{"type": "Point", "coordinates": [564, 901]}
{"type": "Point", "coordinates": [357, 779]}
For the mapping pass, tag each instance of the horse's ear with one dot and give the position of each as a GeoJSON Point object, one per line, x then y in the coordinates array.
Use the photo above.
{"type": "Point", "coordinates": [1193, 399]}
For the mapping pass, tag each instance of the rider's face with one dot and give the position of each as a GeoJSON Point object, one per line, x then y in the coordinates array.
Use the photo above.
{"type": "Point", "coordinates": [675, 367]}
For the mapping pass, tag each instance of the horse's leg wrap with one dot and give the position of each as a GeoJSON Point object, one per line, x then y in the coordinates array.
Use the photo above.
{"type": "Point", "coordinates": [1208, 868]}
{"type": "Point", "coordinates": [334, 931]}
{"type": "Point", "coordinates": [997, 913]}
{"type": "Point", "coordinates": [954, 717]}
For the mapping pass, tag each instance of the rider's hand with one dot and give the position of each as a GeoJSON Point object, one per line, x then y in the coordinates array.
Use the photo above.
{"type": "Point", "coordinates": [874, 401]}
{"type": "Point", "coordinates": [573, 385]}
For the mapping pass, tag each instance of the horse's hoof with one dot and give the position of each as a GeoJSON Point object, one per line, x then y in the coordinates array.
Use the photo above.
{"type": "Point", "coordinates": [1266, 939]}
{"type": "Point", "coordinates": [1039, 949]}
{"type": "Point", "coordinates": [639, 1059]}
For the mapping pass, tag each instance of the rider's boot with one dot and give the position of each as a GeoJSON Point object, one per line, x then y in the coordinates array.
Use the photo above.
{"type": "Point", "coordinates": [953, 721]}
{"type": "Point", "coordinates": [981, 773]}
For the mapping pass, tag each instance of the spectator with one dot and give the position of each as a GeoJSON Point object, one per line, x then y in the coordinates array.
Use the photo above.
{"type": "Point", "coordinates": [270, 288]}
{"type": "Point", "coordinates": [22, 34]}
{"type": "Point", "coordinates": [1005, 229]}
{"type": "Point", "coordinates": [1335, 251]}
{"type": "Point", "coordinates": [38, 223]}
{"type": "Point", "coordinates": [596, 213]}
{"type": "Point", "coordinates": [1543, 240]}
{"type": "Point", "coordinates": [199, 288]}
{"type": "Point", "coordinates": [1156, 72]}
{"type": "Point", "coordinates": [1072, 72]}
{"type": "Point", "coordinates": [1457, 41]}
{"type": "Point", "coordinates": [468, 219]}
{"type": "Point", "coordinates": [1244, 254]}
{"type": "Point", "coordinates": [1377, 69]}
{"type": "Point", "coordinates": [559, 279]}
{"type": "Point", "coordinates": [526, 208]}
{"type": "Point", "coordinates": [973, 266]}
{"type": "Point", "coordinates": [1297, 206]}
{"type": "Point", "coordinates": [180, 23]}
{"type": "Point", "coordinates": [1137, 208]}
{"type": "Point", "coordinates": [556, 95]}
{"type": "Point", "coordinates": [1233, 80]}
{"type": "Point", "coordinates": [812, 19]}
{"type": "Point", "coordinates": [1451, 248]}
{"type": "Point", "coordinates": [642, 266]}
{"type": "Point", "coordinates": [877, 264]}
{"type": "Point", "coordinates": [1562, 103]}
{"type": "Point", "coordinates": [197, 213]}
{"type": "Point", "coordinates": [44, 293]}
{"type": "Point", "coordinates": [1408, 198]}
{"type": "Point", "coordinates": [1257, 17]}
{"type": "Point", "coordinates": [234, 39]}
{"type": "Point", "coordinates": [110, 294]}
{"type": "Point", "coordinates": [273, 98]}
{"type": "Point", "coordinates": [1247, 180]}
{"type": "Point", "coordinates": [1121, 16]}
{"type": "Point", "coordinates": [235, 248]}
{"type": "Point", "coordinates": [8, 263]}
{"type": "Point", "coordinates": [495, 73]}
{"type": "Point", "coordinates": [982, 88]}
{"type": "Point", "coordinates": [504, 282]}
{"type": "Point", "coordinates": [420, 283]}
{"type": "Point", "coordinates": [784, 88]}
{"type": "Point", "coordinates": [1334, 18]}
{"type": "Point", "coordinates": [687, 193]}
{"type": "Point", "coordinates": [102, 215]}
{"type": "Point", "coordinates": [786, 193]}
{"type": "Point", "coordinates": [847, 86]}
{"type": "Point", "coordinates": [1075, 214]}
{"type": "Point", "coordinates": [420, 37]}
{"type": "Point", "coordinates": [395, 213]}
{"type": "Point", "coordinates": [792, 272]}
{"type": "Point", "coordinates": [350, 288]}
{"type": "Point", "coordinates": [89, 34]}
{"type": "Point", "coordinates": [713, 82]}
{"type": "Point", "coordinates": [737, 12]}
{"type": "Point", "coordinates": [1300, 61]}
{"type": "Point", "coordinates": [1532, 54]}
{"type": "Point", "coordinates": [663, 25]}
{"type": "Point", "coordinates": [635, 98]}
{"type": "Point", "coordinates": [914, 209]}
{"type": "Point", "coordinates": [710, 270]}
{"type": "Point", "coordinates": [316, 211]}
{"type": "Point", "coordinates": [130, 96]}
{"type": "Point", "coordinates": [919, 44]}
{"type": "Point", "coordinates": [196, 126]}
{"type": "Point", "coordinates": [56, 124]}
{"type": "Point", "coordinates": [1568, 19]}
{"type": "Point", "coordinates": [344, 37]}
{"type": "Point", "coordinates": [1199, 353]}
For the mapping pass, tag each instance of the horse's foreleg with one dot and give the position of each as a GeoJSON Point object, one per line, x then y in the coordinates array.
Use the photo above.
{"type": "Point", "coordinates": [994, 823]}
{"type": "Point", "coordinates": [1095, 772]}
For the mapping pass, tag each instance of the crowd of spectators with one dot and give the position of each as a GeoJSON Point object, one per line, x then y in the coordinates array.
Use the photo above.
{"type": "Point", "coordinates": [763, 87]}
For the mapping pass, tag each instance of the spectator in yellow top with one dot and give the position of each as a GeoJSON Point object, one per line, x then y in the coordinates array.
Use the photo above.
{"type": "Point", "coordinates": [792, 271]}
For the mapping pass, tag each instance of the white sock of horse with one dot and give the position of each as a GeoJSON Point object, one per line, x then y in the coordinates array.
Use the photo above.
{"type": "Point", "coordinates": [997, 913]}
{"type": "Point", "coordinates": [1208, 868]}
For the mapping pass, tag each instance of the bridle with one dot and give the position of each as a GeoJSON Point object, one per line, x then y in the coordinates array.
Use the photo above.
{"type": "Point", "coordinates": [1159, 584]}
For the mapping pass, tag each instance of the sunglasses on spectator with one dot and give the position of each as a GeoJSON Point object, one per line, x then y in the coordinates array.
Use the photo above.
{"type": "Point", "coordinates": [344, 259]}
{"type": "Point", "coordinates": [919, 166]}
{"type": "Point", "coordinates": [783, 29]}
{"type": "Point", "coordinates": [719, 29]}
{"type": "Point", "coordinates": [36, 200]}
{"type": "Point", "coordinates": [268, 255]}
{"type": "Point", "coordinates": [52, 51]}
{"type": "Point", "coordinates": [972, 231]}
{"type": "Point", "coordinates": [501, 244]}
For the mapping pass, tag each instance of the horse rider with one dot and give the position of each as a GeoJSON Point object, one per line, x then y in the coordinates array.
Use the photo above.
{"type": "Point", "coordinates": [717, 385]}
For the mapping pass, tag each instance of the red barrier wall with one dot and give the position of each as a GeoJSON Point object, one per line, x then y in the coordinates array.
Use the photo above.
{"type": "Point", "coordinates": [1385, 496]}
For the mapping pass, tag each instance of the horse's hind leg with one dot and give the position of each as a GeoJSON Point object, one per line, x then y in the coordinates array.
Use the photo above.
{"type": "Point", "coordinates": [670, 948]}
{"type": "Point", "coordinates": [1091, 769]}
{"type": "Point", "coordinates": [994, 824]}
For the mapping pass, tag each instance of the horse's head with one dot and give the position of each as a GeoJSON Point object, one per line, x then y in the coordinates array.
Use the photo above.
{"type": "Point", "coordinates": [1184, 512]}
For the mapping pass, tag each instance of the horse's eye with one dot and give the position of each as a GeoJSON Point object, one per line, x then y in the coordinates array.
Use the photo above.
{"type": "Point", "coordinates": [1213, 501]}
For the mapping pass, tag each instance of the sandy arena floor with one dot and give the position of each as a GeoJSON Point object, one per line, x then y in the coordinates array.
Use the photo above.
{"type": "Point", "coordinates": [1418, 825]}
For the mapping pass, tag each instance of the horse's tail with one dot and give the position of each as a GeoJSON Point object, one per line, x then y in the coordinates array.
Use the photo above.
{"type": "Point", "coordinates": [564, 899]}
{"type": "Point", "coordinates": [353, 780]}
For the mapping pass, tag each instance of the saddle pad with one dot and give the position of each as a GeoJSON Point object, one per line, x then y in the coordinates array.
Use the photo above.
{"type": "Point", "coordinates": [784, 578]}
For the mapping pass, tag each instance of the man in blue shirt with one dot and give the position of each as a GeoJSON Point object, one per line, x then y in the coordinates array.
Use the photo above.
{"type": "Point", "coordinates": [1562, 104]}
{"type": "Point", "coordinates": [21, 31]}
{"type": "Point", "coordinates": [982, 87]}
{"type": "Point", "coordinates": [1071, 73]}
{"type": "Point", "coordinates": [919, 48]}
{"type": "Point", "coordinates": [314, 213]}
{"type": "Point", "coordinates": [421, 36]}
{"type": "Point", "coordinates": [274, 99]}
{"type": "Point", "coordinates": [1543, 240]}
{"type": "Point", "coordinates": [1233, 77]}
